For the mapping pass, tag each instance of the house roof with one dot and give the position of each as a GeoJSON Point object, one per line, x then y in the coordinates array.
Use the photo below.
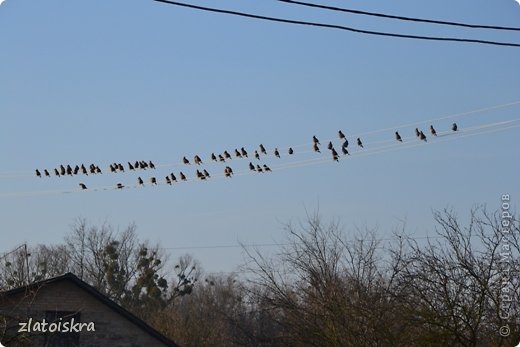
{"type": "Point", "coordinates": [98, 295]}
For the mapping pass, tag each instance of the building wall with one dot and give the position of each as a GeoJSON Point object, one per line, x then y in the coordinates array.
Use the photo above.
{"type": "Point", "coordinates": [112, 329]}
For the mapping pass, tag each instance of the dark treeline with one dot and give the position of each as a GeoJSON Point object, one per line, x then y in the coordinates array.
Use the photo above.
{"type": "Point", "coordinates": [325, 287]}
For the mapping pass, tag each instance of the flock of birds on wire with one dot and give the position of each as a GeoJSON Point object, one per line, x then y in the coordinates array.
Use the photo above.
{"type": "Point", "coordinates": [228, 171]}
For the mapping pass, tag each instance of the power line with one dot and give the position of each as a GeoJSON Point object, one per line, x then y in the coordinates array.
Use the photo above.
{"type": "Point", "coordinates": [411, 19]}
{"type": "Point", "coordinates": [442, 137]}
{"type": "Point", "coordinates": [339, 27]}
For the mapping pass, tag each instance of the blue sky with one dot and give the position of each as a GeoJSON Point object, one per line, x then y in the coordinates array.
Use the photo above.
{"type": "Point", "coordinates": [117, 81]}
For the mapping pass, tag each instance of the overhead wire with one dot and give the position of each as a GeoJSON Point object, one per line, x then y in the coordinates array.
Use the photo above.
{"type": "Point", "coordinates": [339, 27]}
{"type": "Point", "coordinates": [443, 137]}
{"type": "Point", "coordinates": [402, 18]}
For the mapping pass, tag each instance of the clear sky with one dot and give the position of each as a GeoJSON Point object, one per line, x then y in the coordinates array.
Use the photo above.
{"type": "Point", "coordinates": [117, 81]}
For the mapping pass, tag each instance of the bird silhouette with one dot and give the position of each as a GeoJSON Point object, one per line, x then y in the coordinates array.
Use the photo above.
{"type": "Point", "coordinates": [152, 166]}
{"type": "Point", "coordinates": [83, 169]}
{"type": "Point", "coordinates": [172, 176]}
{"type": "Point", "coordinates": [200, 175]}
{"type": "Point", "coordinates": [227, 155]}
{"type": "Point", "coordinates": [276, 153]}
{"type": "Point", "coordinates": [341, 135]}
{"type": "Point", "coordinates": [316, 148]}
{"type": "Point", "coordinates": [168, 180]}
{"type": "Point", "coordinates": [422, 136]}
{"type": "Point", "coordinates": [83, 186]}
{"type": "Point", "coordinates": [197, 160]}
{"type": "Point", "coordinates": [417, 132]}
{"type": "Point", "coordinates": [345, 144]}
{"type": "Point", "coordinates": [136, 165]}
{"type": "Point", "coordinates": [238, 154]}
{"type": "Point", "coordinates": [257, 156]}
{"type": "Point", "coordinates": [92, 169]}
{"type": "Point", "coordinates": [112, 168]}
{"type": "Point", "coordinates": [398, 137]}
{"type": "Point", "coordinates": [130, 166]}
{"type": "Point", "coordinates": [69, 170]}
{"type": "Point", "coordinates": [243, 151]}
{"type": "Point", "coordinates": [315, 140]}
{"type": "Point", "coordinates": [206, 173]}
{"type": "Point", "coordinates": [329, 146]}
{"type": "Point", "coordinates": [213, 157]}
{"type": "Point", "coordinates": [267, 168]}
{"type": "Point", "coordinates": [262, 149]}
{"type": "Point", "coordinates": [76, 170]}
{"type": "Point", "coordinates": [140, 181]}
{"type": "Point", "coordinates": [251, 166]}
{"type": "Point", "coordinates": [291, 151]}
{"type": "Point", "coordinates": [228, 171]}
{"type": "Point", "coordinates": [335, 155]}
{"type": "Point", "coordinates": [120, 186]}
{"type": "Point", "coordinates": [432, 130]}
{"type": "Point", "coordinates": [359, 143]}
{"type": "Point", "coordinates": [153, 180]}
{"type": "Point", "coordinates": [120, 167]}
{"type": "Point", "coordinates": [38, 173]}
{"type": "Point", "coordinates": [46, 173]}
{"type": "Point", "coordinates": [221, 158]}
{"type": "Point", "coordinates": [56, 172]}
{"type": "Point", "coordinates": [183, 177]}
{"type": "Point", "coordinates": [454, 127]}
{"type": "Point", "coordinates": [98, 170]}
{"type": "Point", "coordinates": [259, 168]}
{"type": "Point", "coordinates": [345, 151]}
{"type": "Point", "coordinates": [144, 164]}
{"type": "Point", "coordinates": [62, 170]}
{"type": "Point", "coordinates": [185, 161]}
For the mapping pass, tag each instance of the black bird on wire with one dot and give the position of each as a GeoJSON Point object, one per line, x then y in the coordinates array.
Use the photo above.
{"type": "Point", "coordinates": [83, 169]}
{"type": "Point", "coordinates": [315, 140]}
{"type": "Point", "coordinates": [185, 161]}
{"type": "Point", "coordinates": [121, 168]}
{"type": "Point", "coordinates": [422, 137]}
{"type": "Point", "coordinates": [56, 172]}
{"type": "Point", "coordinates": [130, 166]}
{"type": "Point", "coordinates": [262, 149]}
{"type": "Point", "coordinates": [228, 171]}
{"type": "Point", "coordinates": [329, 146]}
{"type": "Point", "coordinates": [200, 175]}
{"type": "Point", "coordinates": [153, 180]}
{"type": "Point", "coordinates": [98, 170]}
{"type": "Point", "coordinates": [316, 148]}
{"type": "Point", "coordinates": [276, 153]}
{"type": "Point", "coordinates": [120, 186]}
{"type": "Point", "coordinates": [213, 157]}
{"type": "Point", "coordinates": [432, 130]}
{"type": "Point", "coordinates": [76, 170]}
{"type": "Point", "coordinates": [112, 168]}
{"type": "Point", "coordinates": [251, 166]}
{"type": "Point", "coordinates": [417, 132]}
{"type": "Point", "coordinates": [334, 155]}
{"type": "Point", "coordinates": [345, 144]}
{"type": "Point", "coordinates": [238, 154]}
{"type": "Point", "coordinates": [152, 166]}
{"type": "Point", "coordinates": [291, 151]}
{"type": "Point", "coordinates": [197, 160]}
{"type": "Point", "coordinates": [398, 137]}
{"type": "Point", "coordinates": [243, 151]}
{"type": "Point", "coordinates": [168, 180]}
{"type": "Point", "coordinates": [359, 143]}
{"type": "Point", "coordinates": [267, 168]}
{"type": "Point", "coordinates": [136, 165]}
{"type": "Point", "coordinates": [341, 135]}
{"type": "Point", "coordinates": [221, 158]}
{"type": "Point", "coordinates": [172, 176]}
{"type": "Point", "coordinates": [62, 170]}
{"type": "Point", "coordinates": [47, 173]}
{"type": "Point", "coordinates": [454, 127]}
{"type": "Point", "coordinates": [38, 173]}
{"type": "Point", "coordinates": [206, 173]}
{"type": "Point", "coordinates": [227, 155]}
{"type": "Point", "coordinates": [257, 156]}
{"type": "Point", "coordinates": [183, 177]}
{"type": "Point", "coordinates": [69, 170]}
{"type": "Point", "coordinates": [83, 186]}
{"type": "Point", "coordinates": [259, 168]}
{"type": "Point", "coordinates": [345, 151]}
{"type": "Point", "coordinates": [140, 181]}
